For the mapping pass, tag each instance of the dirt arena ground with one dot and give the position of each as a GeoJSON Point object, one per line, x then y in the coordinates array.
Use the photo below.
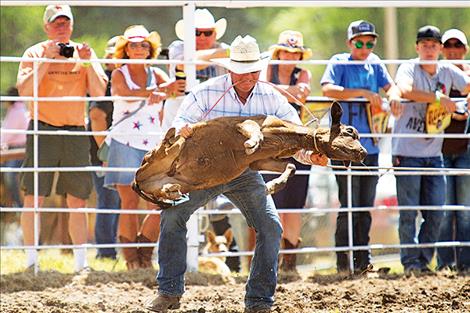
{"type": "Point", "coordinates": [127, 292]}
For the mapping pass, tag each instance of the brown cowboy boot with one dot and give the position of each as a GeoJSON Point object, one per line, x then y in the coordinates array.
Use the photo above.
{"type": "Point", "coordinates": [130, 254]}
{"type": "Point", "coordinates": [164, 303]}
{"type": "Point", "coordinates": [145, 253]}
{"type": "Point", "coordinates": [289, 261]}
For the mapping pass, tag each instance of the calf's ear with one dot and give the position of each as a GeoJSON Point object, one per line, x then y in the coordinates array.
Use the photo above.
{"type": "Point", "coordinates": [336, 113]}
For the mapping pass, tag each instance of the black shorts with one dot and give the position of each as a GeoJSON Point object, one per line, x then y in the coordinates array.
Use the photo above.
{"type": "Point", "coordinates": [58, 151]}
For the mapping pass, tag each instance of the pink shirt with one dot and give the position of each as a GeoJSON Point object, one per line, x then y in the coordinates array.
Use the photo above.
{"type": "Point", "coordinates": [17, 117]}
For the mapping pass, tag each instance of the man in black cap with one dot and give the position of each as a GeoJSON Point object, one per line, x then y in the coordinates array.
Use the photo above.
{"type": "Point", "coordinates": [428, 86]}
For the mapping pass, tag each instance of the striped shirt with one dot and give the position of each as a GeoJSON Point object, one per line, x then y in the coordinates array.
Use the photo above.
{"type": "Point", "coordinates": [263, 100]}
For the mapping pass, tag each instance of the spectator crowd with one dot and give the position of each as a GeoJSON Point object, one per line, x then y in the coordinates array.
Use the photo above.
{"type": "Point", "coordinates": [136, 127]}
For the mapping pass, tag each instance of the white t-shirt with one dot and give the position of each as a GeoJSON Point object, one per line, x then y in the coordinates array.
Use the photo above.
{"type": "Point", "coordinates": [413, 119]}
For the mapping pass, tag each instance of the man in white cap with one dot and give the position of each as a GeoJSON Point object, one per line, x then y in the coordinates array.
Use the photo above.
{"type": "Point", "coordinates": [58, 80]}
{"type": "Point", "coordinates": [455, 225]}
{"type": "Point", "coordinates": [248, 97]}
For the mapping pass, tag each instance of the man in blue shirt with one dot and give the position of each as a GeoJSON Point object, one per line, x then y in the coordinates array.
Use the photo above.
{"type": "Point", "coordinates": [345, 81]}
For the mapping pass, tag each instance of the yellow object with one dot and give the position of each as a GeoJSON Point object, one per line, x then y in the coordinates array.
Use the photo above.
{"type": "Point", "coordinates": [378, 120]}
{"type": "Point", "coordinates": [86, 64]}
{"type": "Point", "coordinates": [437, 118]}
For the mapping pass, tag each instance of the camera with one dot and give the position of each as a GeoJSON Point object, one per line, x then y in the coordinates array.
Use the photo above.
{"type": "Point", "coordinates": [66, 50]}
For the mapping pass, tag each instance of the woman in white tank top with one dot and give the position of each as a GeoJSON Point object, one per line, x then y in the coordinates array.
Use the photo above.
{"type": "Point", "coordinates": [133, 136]}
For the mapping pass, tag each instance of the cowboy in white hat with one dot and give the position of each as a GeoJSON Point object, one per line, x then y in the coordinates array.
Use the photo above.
{"type": "Point", "coordinates": [248, 97]}
{"type": "Point", "coordinates": [208, 32]}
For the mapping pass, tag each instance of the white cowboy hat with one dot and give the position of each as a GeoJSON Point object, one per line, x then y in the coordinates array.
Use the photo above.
{"type": "Point", "coordinates": [244, 56]}
{"type": "Point", "coordinates": [203, 19]}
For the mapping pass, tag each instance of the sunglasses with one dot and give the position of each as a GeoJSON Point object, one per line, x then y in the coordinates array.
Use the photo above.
{"type": "Point", "coordinates": [458, 44]}
{"type": "Point", "coordinates": [359, 44]}
{"type": "Point", "coordinates": [135, 45]}
{"type": "Point", "coordinates": [206, 33]}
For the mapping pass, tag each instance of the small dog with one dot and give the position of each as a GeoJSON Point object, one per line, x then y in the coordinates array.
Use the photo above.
{"type": "Point", "coordinates": [216, 265]}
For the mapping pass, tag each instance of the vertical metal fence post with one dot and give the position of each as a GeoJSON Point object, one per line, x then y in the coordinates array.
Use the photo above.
{"type": "Point", "coordinates": [350, 222]}
{"type": "Point", "coordinates": [190, 70]}
{"type": "Point", "coordinates": [36, 162]}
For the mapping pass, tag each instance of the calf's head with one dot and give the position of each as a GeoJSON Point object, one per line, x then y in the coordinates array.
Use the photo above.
{"type": "Point", "coordinates": [340, 142]}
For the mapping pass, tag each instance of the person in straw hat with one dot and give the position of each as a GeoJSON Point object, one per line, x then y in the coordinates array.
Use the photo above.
{"type": "Point", "coordinates": [100, 115]}
{"type": "Point", "coordinates": [296, 81]}
{"type": "Point", "coordinates": [290, 77]}
{"type": "Point", "coordinates": [131, 138]}
{"type": "Point", "coordinates": [248, 97]}
{"type": "Point", "coordinates": [60, 80]}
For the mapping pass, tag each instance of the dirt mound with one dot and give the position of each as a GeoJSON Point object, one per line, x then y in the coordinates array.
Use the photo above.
{"type": "Point", "coordinates": [129, 291]}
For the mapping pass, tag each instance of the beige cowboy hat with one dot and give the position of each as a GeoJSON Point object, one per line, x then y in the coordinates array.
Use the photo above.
{"type": "Point", "coordinates": [203, 19]}
{"type": "Point", "coordinates": [290, 41]}
{"type": "Point", "coordinates": [244, 56]}
{"type": "Point", "coordinates": [138, 33]}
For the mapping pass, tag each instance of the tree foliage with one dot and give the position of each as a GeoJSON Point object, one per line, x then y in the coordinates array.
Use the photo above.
{"type": "Point", "coordinates": [324, 29]}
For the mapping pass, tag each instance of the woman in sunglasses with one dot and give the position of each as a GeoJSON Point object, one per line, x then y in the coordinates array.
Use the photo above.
{"type": "Point", "coordinates": [131, 136]}
{"type": "Point", "coordinates": [345, 81]}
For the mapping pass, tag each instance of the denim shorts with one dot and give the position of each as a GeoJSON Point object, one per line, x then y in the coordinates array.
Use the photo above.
{"type": "Point", "coordinates": [121, 155]}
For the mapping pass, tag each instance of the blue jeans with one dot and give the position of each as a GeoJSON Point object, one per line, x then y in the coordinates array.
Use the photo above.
{"type": "Point", "coordinates": [458, 192]}
{"type": "Point", "coordinates": [106, 224]}
{"type": "Point", "coordinates": [246, 192]}
{"type": "Point", "coordinates": [419, 190]}
{"type": "Point", "coordinates": [363, 195]}
{"type": "Point", "coordinates": [12, 182]}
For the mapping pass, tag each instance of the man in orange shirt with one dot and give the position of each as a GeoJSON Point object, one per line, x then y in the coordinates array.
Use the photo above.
{"type": "Point", "coordinates": [56, 80]}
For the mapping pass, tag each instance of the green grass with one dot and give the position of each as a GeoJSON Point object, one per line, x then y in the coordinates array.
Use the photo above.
{"type": "Point", "coordinates": [14, 261]}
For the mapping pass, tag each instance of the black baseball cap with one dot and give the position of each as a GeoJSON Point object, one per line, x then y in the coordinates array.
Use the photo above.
{"type": "Point", "coordinates": [429, 32]}
{"type": "Point", "coordinates": [361, 28]}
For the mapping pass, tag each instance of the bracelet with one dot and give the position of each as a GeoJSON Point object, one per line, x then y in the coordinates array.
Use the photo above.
{"type": "Point", "coordinates": [86, 64]}
{"type": "Point", "coordinates": [227, 52]}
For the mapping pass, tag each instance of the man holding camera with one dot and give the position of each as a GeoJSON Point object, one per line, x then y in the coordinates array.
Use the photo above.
{"type": "Point", "coordinates": [57, 80]}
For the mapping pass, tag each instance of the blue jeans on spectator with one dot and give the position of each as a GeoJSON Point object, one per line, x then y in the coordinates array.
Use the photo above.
{"type": "Point", "coordinates": [419, 190]}
{"type": "Point", "coordinates": [12, 182]}
{"type": "Point", "coordinates": [106, 224]}
{"type": "Point", "coordinates": [363, 195]}
{"type": "Point", "coordinates": [458, 193]}
{"type": "Point", "coordinates": [246, 192]}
